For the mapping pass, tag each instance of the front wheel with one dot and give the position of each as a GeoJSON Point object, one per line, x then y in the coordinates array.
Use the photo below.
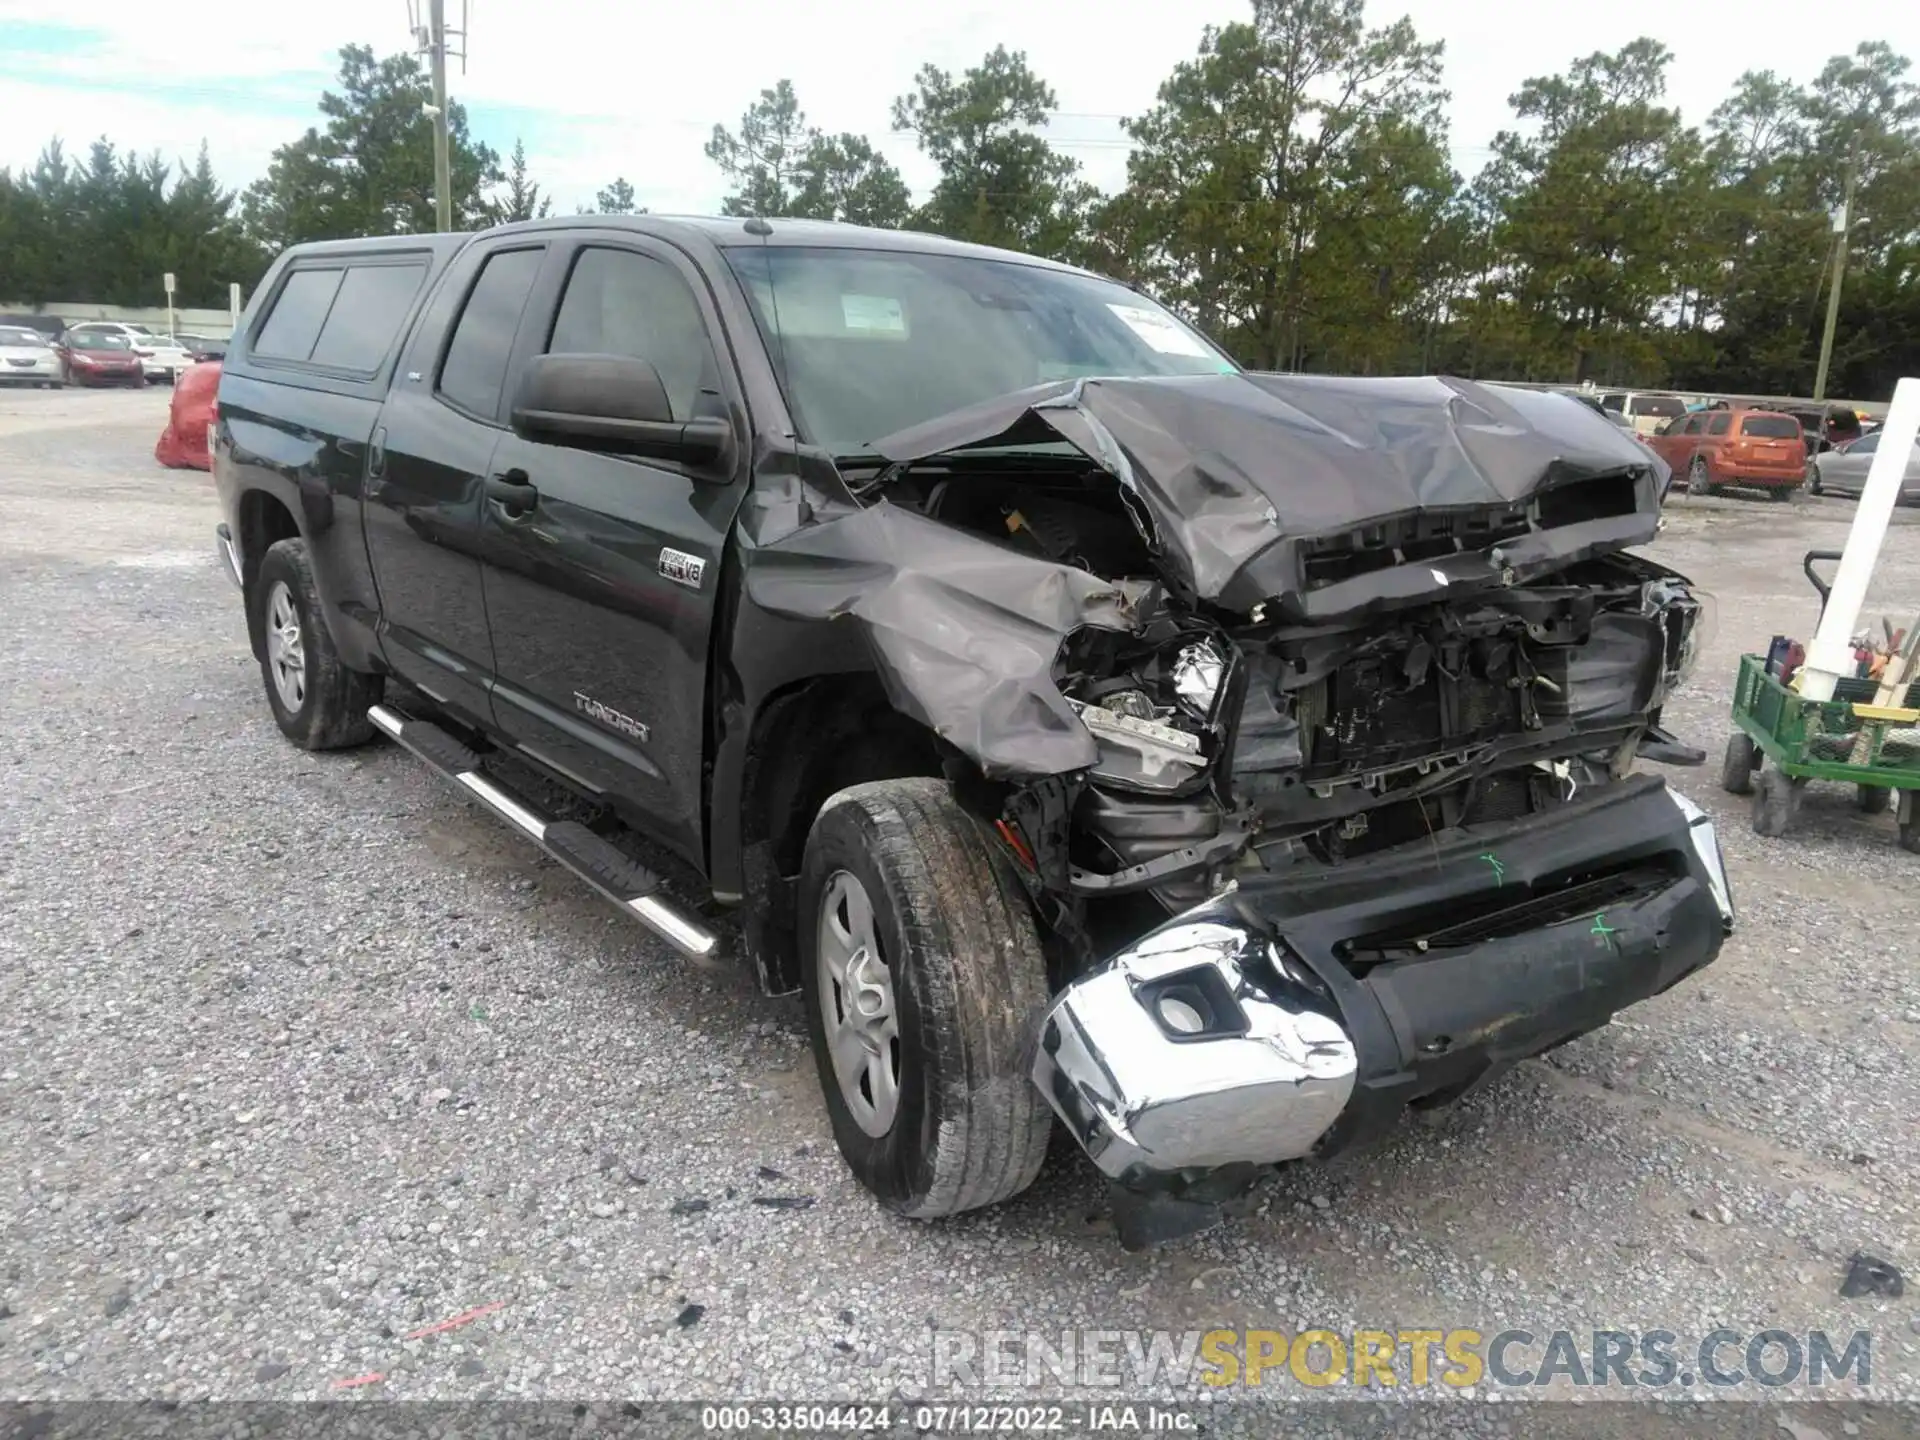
{"type": "Point", "coordinates": [924, 987]}
{"type": "Point", "coordinates": [1743, 758]}
{"type": "Point", "coordinates": [318, 703]}
{"type": "Point", "coordinates": [1813, 480]}
{"type": "Point", "coordinates": [1872, 799]}
{"type": "Point", "coordinates": [1699, 478]}
{"type": "Point", "coordinates": [1910, 821]}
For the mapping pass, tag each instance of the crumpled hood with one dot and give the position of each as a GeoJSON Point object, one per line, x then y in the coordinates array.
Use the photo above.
{"type": "Point", "coordinates": [1237, 471]}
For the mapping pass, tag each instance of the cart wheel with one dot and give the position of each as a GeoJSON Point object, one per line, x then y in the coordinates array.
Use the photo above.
{"type": "Point", "coordinates": [1872, 799]}
{"type": "Point", "coordinates": [1776, 800]}
{"type": "Point", "coordinates": [1910, 821]}
{"type": "Point", "coordinates": [1743, 758]}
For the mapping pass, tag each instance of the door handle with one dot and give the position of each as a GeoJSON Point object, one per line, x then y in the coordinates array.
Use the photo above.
{"type": "Point", "coordinates": [513, 493]}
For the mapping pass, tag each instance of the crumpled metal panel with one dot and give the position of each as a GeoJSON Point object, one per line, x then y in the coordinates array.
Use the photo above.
{"type": "Point", "coordinates": [1221, 470]}
{"type": "Point", "coordinates": [964, 632]}
{"type": "Point", "coordinates": [1229, 467]}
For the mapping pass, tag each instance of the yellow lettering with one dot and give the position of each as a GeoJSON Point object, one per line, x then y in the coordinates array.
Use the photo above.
{"type": "Point", "coordinates": [1266, 1349]}
{"type": "Point", "coordinates": [1419, 1342]}
{"type": "Point", "coordinates": [1373, 1352]}
{"type": "Point", "coordinates": [1462, 1347]}
{"type": "Point", "coordinates": [1302, 1361]}
{"type": "Point", "coordinates": [1217, 1351]}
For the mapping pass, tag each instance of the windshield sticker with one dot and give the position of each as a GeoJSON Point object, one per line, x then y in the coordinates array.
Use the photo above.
{"type": "Point", "coordinates": [1159, 331]}
{"type": "Point", "coordinates": [873, 314]}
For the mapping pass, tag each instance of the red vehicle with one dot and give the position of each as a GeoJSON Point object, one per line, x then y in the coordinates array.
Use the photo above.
{"type": "Point", "coordinates": [183, 444]}
{"type": "Point", "coordinates": [1764, 449]}
{"type": "Point", "coordinates": [94, 358]}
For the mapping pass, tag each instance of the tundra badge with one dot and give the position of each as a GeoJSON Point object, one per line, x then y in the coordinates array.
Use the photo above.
{"type": "Point", "coordinates": [682, 568]}
{"type": "Point", "coordinates": [609, 717]}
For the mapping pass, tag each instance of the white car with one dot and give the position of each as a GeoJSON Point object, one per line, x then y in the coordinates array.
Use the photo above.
{"type": "Point", "coordinates": [26, 358]}
{"type": "Point", "coordinates": [161, 357]}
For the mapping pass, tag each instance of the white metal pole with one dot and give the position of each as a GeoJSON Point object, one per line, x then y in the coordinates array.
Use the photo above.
{"type": "Point", "coordinates": [1831, 655]}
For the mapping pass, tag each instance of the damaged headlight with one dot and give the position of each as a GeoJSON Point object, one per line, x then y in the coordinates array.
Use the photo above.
{"type": "Point", "coordinates": [1134, 751]}
{"type": "Point", "coordinates": [1196, 676]}
{"type": "Point", "coordinates": [1151, 722]}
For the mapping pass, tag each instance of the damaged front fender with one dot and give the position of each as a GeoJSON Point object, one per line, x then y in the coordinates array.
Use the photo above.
{"type": "Point", "coordinates": [964, 633]}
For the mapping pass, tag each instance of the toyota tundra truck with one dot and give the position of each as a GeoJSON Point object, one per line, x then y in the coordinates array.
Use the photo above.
{"type": "Point", "coordinates": [1215, 763]}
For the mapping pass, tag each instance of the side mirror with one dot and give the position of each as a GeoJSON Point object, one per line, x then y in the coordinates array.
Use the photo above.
{"type": "Point", "coordinates": [613, 403]}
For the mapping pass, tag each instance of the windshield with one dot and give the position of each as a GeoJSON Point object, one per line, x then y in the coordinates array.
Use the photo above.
{"type": "Point", "coordinates": [872, 341]}
{"type": "Point", "coordinates": [88, 340]}
{"type": "Point", "coordinates": [11, 336]}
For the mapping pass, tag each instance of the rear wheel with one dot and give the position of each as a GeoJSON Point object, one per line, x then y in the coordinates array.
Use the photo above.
{"type": "Point", "coordinates": [924, 987]}
{"type": "Point", "coordinates": [1743, 758]}
{"type": "Point", "coordinates": [1813, 480]}
{"type": "Point", "coordinates": [1910, 821]}
{"type": "Point", "coordinates": [1776, 800]}
{"type": "Point", "coordinates": [318, 703]}
{"type": "Point", "coordinates": [1872, 799]}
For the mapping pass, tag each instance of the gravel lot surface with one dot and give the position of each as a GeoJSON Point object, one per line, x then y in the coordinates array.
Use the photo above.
{"type": "Point", "coordinates": [301, 1055]}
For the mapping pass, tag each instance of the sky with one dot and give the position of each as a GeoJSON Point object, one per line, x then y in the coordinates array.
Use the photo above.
{"type": "Point", "coordinates": [600, 88]}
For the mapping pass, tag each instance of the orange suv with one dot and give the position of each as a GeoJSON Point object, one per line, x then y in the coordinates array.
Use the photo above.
{"type": "Point", "coordinates": [1764, 449]}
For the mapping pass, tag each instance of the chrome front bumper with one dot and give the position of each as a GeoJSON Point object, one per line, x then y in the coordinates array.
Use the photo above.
{"type": "Point", "coordinates": [1237, 1035]}
{"type": "Point", "coordinates": [1198, 1047]}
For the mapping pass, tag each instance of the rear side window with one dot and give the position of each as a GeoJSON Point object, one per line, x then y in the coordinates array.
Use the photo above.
{"type": "Point", "coordinates": [298, 312]}
{"type": "Point", "coordinates": [1613, 402]}
{"type": "Point", "coordinates": [477, 357]}
{"type": "Point", "coordinates": [1771, 427]}
{"type": "Point", "coordinates": [1721, 424]}
{"type": "Point", "coordinates": [366, 315]}
{"type": "Point", "coordinates": [1657, 405]}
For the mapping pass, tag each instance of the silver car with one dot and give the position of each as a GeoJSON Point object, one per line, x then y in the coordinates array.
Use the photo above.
{"type": "Point", "coordinates": [1844, 471]}
{"type": "Point", "coordinates": [26, 358]}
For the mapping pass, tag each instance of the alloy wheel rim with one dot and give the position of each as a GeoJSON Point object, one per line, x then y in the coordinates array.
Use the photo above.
{"type": "Point", "coordinates": [286, 647]}
{"type": "Point", "coordinates": [857, 1005]}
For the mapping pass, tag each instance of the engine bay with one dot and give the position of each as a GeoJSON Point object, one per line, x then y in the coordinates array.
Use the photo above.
{"type": "Point", "coordinates": [1234, 742]}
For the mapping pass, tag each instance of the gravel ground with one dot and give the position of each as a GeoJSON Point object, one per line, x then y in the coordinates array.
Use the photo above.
{"type": "Point", "coordinates": [300, 1055]}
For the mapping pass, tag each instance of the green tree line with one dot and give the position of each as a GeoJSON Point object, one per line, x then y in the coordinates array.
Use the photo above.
{"type": "Point", "coordinates": [1291, 189]}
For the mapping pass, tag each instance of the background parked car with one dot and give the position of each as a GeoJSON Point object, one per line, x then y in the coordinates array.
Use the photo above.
{"type": "Point", "coordinates": [1827, 429]}
{"type": "Point", "coordinates": [1647, 410]}
{"type": "Point", "coordinates": [27, 357]}
{"type": "Point", "coordinates": [1759, 448]}
{"type": "Point", "coordinates": [202, 347]}
{"type": "Point", "coordinates": [183, 444]}
{"type": "Point", "coordinates": [51, 327]}
{"type": "Point", "coordinates": [161, 357]}
{"type": "Point", "coordinates": [1843, 471]}
{"type": "Point", "coordinates": [90, 357]}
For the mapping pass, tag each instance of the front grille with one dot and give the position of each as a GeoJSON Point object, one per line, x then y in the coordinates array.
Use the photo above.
{"type": "Point", "coordinates": [1387, 710]}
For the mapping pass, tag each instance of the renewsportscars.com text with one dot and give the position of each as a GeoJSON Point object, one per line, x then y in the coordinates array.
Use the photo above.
{"type": "Point", "coordinates": [1416, 1358]}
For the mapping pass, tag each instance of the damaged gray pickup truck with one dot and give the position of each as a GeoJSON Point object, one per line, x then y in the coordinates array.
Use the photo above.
{"type": "Point", "coordinates": [1219, 762]}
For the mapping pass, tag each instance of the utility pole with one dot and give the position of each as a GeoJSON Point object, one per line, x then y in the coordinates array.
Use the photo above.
{"type": "Point", "coordinates": [1841, 224]}
{"type": "Point", "coordinates": [442, 169]}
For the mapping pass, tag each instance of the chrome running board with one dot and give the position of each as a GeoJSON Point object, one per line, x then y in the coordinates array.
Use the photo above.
{"type": "Point", "coordinates": [627, 883]}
